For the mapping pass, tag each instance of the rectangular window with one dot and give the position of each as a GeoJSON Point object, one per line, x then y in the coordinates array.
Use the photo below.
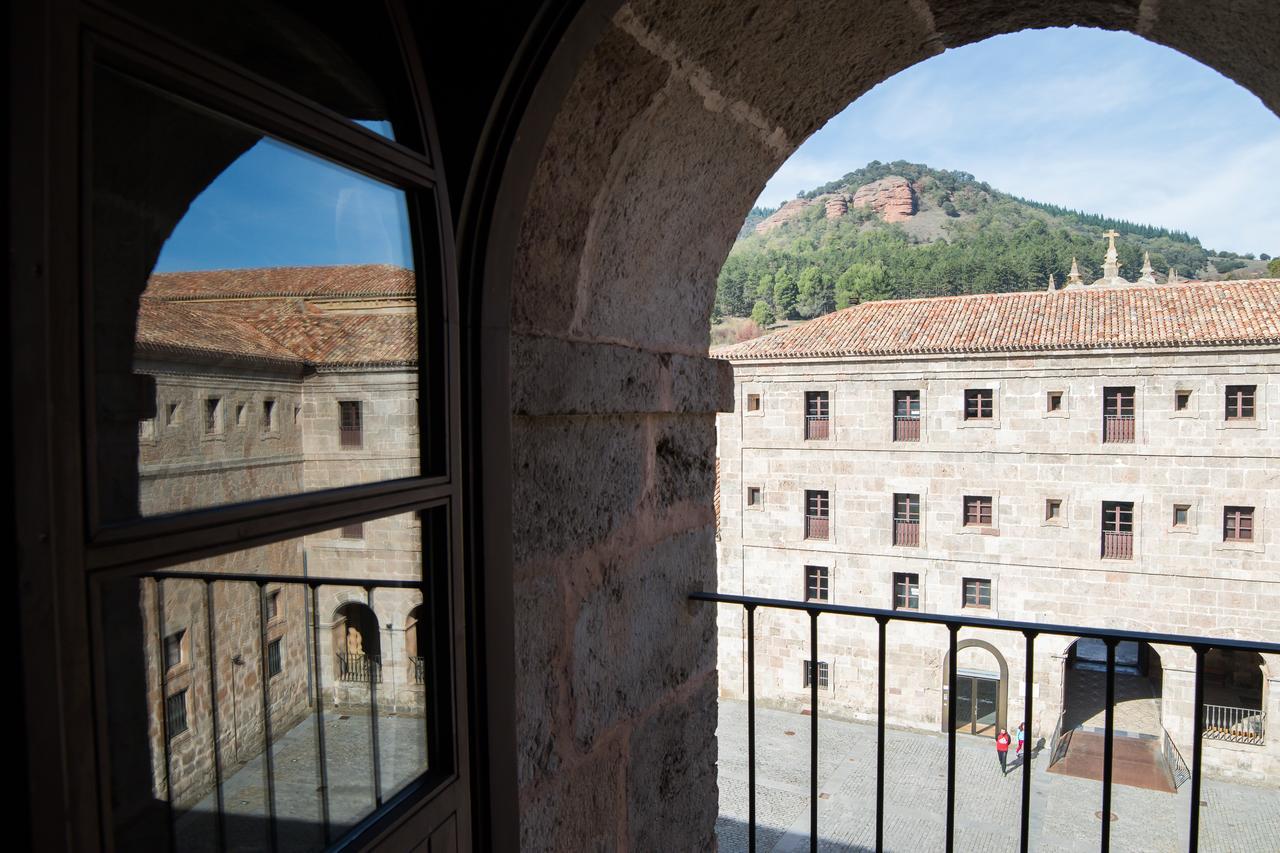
{"type": "Point", "coordinates": [242, 414]}
{"type": "Point", "coordinates": [817, 583]}
{"type": "Point", "coordinates": [269, 415]}
{"type": "Point", "coordinates": [906, 415]}
{"type": "Point", "coordinates": [213, 415]}
{"type": "Point", "coordinates": [906, 591]}
{"type": "Point", "coordinates": [1117, 530]}
{"type": "Point", "coordinates": [817, 515]}
{"type": "Point", "coordinates": [1181, 514]}
{"type": "Point", "coordinates": [273, 605]}
{"type": "Point", "coordinates": [977, 511]}
{"type": "Point", "coordinates": [817, 415]}
{"type": "Point", "coordinates": [1117, 415]}
{"type": "Point", "coordinates": [753, 496]}
{"type": "Point", "coordinates": [977, 592]}
{"type": "Point", "coordinates": [297, 414]}
{"type": "Point", "coordinates": [274, 663]}
{"type": "Point", "coordinates": [1052, 509]}
{"type": "Point", "coordinates": [1240, 402]}
{"type": "Point", "coordinates": [175, 713]}
{"type": "Point", "coordinates": [906, 520]}
{"type": "Point", "coordinates": [1181, 401]}
{"type": "Point", "coordinates": [979, 404]}
{"type": "Point", "coordinates": [173, 649]}
{"type": "Point", "coordinates": [824, 674]}
{"type": "Point", "coordinates": [350, 424]}
{"type": "Point", "coordinates": [1237, 524]}
{"type": "Point", "coordinates": [1053, 401]}
{"type": "Point", "coordinates": [753, 402]}
{"type": "Point", "coordinates": [353, 531]}
{"type": "Point", "coordinates": [171, 416]}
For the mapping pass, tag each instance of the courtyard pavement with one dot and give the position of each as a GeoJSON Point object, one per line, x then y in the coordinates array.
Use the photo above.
{"type": "Point", "coordinates": [1064, 810]}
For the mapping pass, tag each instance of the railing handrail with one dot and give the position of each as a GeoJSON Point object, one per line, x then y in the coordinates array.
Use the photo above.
{"type": "Point", "coordinates": [1173, 757]}
{"type": "Point", "coordinates": [309, 580]}
{"type": "Point", "coordinates": [995, 624]}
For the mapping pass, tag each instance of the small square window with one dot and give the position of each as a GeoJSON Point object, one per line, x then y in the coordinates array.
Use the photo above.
{"type": "Point", "coordinates": [175, 649]}
{"type": "Point", "coordinates": [1237, 524]}
{"type": "Point", "coordinates": [1053, 509]}
{"type": "Point", "coordinates": [753, 402]}
{"type": "Point", "coordinates": [213, 415]}
{"type": "Point", "coordinates": [353, 531]}
{"type": "Point", "coordinates": [753, 496]}
{"type": "Point", "coordinates": [977, 592]}
{"type": "Point", "coordinates": [977, 511]}
{"type": "Point", "coordinates": [824, 674]}
{"type": "Point", "coordinates": [817, 583]}
{"type": "Point", "coordinates": [1181, 515]}
{"type": "Point", "coordinates": [1241, 400]}
{"type": "Point", "coordinates": [979, 404]}
{"type": "Point", "coordinates": [175, 714]}
{"type": "Point", "coordinates": [906, 591]}
{"type": "Point", "coordinates": [1053, 401]}
{"type": "Point", "coordinates": [1181, 401]}
{"type": "Point", "coordinates": [275, 664]}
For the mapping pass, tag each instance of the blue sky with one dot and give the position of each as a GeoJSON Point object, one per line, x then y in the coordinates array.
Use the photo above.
{"type": "Point", "coordinates": [1103, 122]}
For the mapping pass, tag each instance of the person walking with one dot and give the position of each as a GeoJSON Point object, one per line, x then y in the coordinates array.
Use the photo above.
{"type": "Point", "coordinates": [1002, 750]}
{"type": "Point", "coordinates": [1021, 741]}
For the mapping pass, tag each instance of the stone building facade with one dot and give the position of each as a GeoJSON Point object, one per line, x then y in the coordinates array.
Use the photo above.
{"type": "Point", "coordinates": [269, 383]}
{"type": "Point", "coordinates": [1097, 455]}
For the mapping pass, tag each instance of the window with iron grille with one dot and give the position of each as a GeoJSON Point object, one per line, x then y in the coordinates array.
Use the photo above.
{"type": "Point", "coordinates": [213, 415]}
{"type": "Point", "coordinates": [353, 531]}
{"type": "Point", "coordinates": [906, 591]}
{"type": "Point", "coordinates": [1118, 415]}
{"type": "Point", "coordinates": [175, 713]}
{"type": "Point", "coordinates": [817, 514]}
{"type": "Point", "coordinates": [906, 415]}
{"type": "Point", "coordinates": [979, 404]}
{"type": "Point", "coordinates": [824, 674]}
{"type": "Point", "coordinates": [1117, 530]}
{"type": "Point", "coordinates": [173, 648]}
{"type": "Point", "coordinates": [275, 664]}
{"type": "Point", "coordinates": [1240, 402]}
{"type": "Point", "coordinates": [1237, 524]}
{"type": "Point", "coordinates": [817, 581]}
{"type": "Point", "coordinates": [977, 592]}
{"type": "Point", "coordinates": [817, 415]}
{"type": "Point", "coordinates": [350, 424]}
{"type": "Point", "coordinates": [977, 511]}
{"type": "Point", "coordinates": [906, 519]}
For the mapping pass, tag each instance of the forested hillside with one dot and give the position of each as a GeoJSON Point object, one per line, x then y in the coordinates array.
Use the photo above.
{"type": "Point", "coordinates": [832, 247]}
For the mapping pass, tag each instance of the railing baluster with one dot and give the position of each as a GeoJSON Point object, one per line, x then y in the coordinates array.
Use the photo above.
{"type": "Point", "coordinates": [1197, 725]}
{"type": "Point", "coordinates": [268, 761]}
{"type": "Point", "coordinates": [164, 715]}
{"type": "Point", "coordinates": [321, 755]}
{"type": "Point", "coordinates": [952, 631]}
{"type": "Point", "coordinates": [373, 710]}
{"type": "Point", "coordinates": [881, 623]}
{"type": "Point", "coordinates": [1108, 745]}
{"type": "Point", "coordinates": [1028, 741]}
{"type": "Point", "coordinates": [813, 732]}
{"type": "Point", "coordinates": [213, 711]}
{"type": "Point", "coordinates": [751, 728]}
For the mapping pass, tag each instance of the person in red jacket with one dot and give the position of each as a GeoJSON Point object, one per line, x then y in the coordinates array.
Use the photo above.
{"type": "Point", "coordinates": [1002, 749]}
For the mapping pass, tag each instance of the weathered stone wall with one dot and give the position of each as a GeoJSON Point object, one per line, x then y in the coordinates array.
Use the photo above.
{"type": "Point", "coordinates": [1181, 580]}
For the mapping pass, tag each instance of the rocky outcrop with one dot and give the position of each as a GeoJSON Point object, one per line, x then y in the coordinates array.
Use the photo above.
{"type": "Point", "coordinates": [837, 205]}
{"type": "Point", "coordinates": [892, 198]}
{"type": "Point", "coordinates": [784, 214]}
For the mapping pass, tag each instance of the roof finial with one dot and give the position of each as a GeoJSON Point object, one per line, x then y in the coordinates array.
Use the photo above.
{"type": "Point", "coordinates": [1173, 276]}
{"type": "Point", "coordinates": [1111, 263]}
{"type": "Point", "coordinates": [1053, 285]}
{"type": "Point", "coordinates": [1073, 277]}
{"type": "Point", "coordinates": [1148, 274]}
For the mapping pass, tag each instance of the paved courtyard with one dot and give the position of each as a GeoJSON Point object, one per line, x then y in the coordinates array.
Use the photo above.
{"type": "Point", "coordinates": [1064, 810]}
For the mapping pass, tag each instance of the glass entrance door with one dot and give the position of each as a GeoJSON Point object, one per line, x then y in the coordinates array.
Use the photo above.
{"type": "Point", "coordinates": [977, 704]}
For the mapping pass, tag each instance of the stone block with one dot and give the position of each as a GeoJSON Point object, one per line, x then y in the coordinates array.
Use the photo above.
{"type": "Point", "coordinates": [539, 636]}
{"type": "Point", "coordinates": [684, 460]}
{"type": "Point", "coordinates": [550, 376]}
{"type": "Point", "coordinates": [961, 22]}
{"type": "Point", "coordinates": [578, 808]}
{"type": "Point", "coordinates": [701, 384]}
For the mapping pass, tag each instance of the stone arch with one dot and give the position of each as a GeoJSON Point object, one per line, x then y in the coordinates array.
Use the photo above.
{"type": "Point", "coordinates": [1002, 693]}
{"type": "Point", "coordinates": [356, 640]}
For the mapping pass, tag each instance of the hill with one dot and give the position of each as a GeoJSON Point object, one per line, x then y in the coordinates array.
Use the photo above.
{"type": "Point", "coordinates": [900, 230]}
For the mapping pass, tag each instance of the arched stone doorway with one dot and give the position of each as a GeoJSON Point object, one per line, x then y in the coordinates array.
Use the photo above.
{"type": "Point", "coordinates": [1234, 696]}
{"type": "Point", "coordinates": [357, 644]}
{"type": "Point", "coordinates": [1139, 684]}
{"type": "Point", "coordinates": [415, 659]}
{"type": "Point", "coordinates": [982, 688]}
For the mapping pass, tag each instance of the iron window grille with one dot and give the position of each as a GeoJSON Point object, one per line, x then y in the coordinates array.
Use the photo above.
{"type": "Point", "coordinates": [175, 714]}
{"type": "Point", "coordinates": [1117, 530]}
{"type": "Point", "coordinates": [906, 520]}
{"type": "Point", "coordinates": [817, 580]}
{"type": "Point", "coordinates": [1241, 400]}
{"type": "Point", "coordinates": [977, 592]}
{"type": "Point", "coordinates": [906, 591]}
{"type": "Point", "coordinates": [906, 415]}
{"type": "Point", "coordinates": [977, 511]}
{"type": "Point", "coordinates": [979, 404]}
{"type": "Point", "coordinates": [1237, 524]}
{"type": "Point", "coordinates": [824, 674]}
{"type": "Point", "coordinates": [350, 424]}
{"type": "Point", "coordinates": [817, 515]}
{"type": "Point", "coordinates": [352, 531]}
{"type": "Point", "coordinates": [275, 665]}
{"type": "Point", "coordinates": [817, 415]}
{"type": "Point", "coordinates": [1118, 415]}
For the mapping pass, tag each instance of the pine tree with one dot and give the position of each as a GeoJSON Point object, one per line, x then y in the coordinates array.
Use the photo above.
{"type": "Point", "coordinates": [785, 294]}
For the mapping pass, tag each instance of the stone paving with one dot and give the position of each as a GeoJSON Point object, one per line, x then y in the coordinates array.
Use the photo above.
{"type": "Point", "coordinates": [1064, 810]}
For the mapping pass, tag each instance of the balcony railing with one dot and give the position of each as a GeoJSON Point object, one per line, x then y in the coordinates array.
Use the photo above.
{"type": "Point", "coordinates": [1117, 429]}
{"type": "Point", "coordinates": [906, 533]}
{"type": "Point", "coordinates": [1238, 725]}
{"type": "Point", "coordinates": [1201, 646]}
{"type": "Point", "coordinates": [1117, 545]}
{"type": "Point", "coordinates": [419, 670]}
{"type": "Point", "coordinates": [906, 428]}
{"type": "Point", "coordinates": [817, 527]}
{"type": "Point", "coordinates": [351, 437]}
{"type": "Point", "coordinates": [360, 669]}
{"type": "Point", "coordinates": [817, 427]}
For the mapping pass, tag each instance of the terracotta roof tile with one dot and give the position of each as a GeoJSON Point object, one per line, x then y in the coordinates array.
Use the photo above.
{"type": "Point", "coordinates": [328, 281]}
{"type": "Point", "coordinates": [1177, 315]}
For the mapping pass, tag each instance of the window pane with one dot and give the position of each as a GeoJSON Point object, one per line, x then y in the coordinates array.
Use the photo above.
{"type": "Point", "coordinates": [232, 273]}
{"type": "Point", "coordinates": [364, 651]}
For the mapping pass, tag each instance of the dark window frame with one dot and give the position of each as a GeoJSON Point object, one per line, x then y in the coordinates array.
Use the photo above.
{"type": "Point", "coordinates": [1118, 530]}
{"type": "Point", "coordinates": [817, 583]}
{"type": "Point", "coordinates": [1119, 414]}
{"type": "Point", "coordinates": [979, 404]}
{"type": "Point", "coordinates": [978, 511]}
{"type": "Point", "coordinates": [903, 585]}
{"type": "Point", "coordinates": [175, 714]}
{"type": "Point", "coordinates": [824, 674]}
{"type": "Point", "coordinates": [1241, 402]}
{"type": "Point", "coordinates": [1239, 524]}
{"type": "Point", "coordinates": [817, 514]}
{"type": "Point", "coordinates": [976, 593]}
{"type": "Point", "coordinates": [350, 425]}
{"type": "Point", "coordinates": [275, 657]}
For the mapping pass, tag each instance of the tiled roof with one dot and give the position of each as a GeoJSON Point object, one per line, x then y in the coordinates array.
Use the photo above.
{"type": "Point", "coordinates": [1167, 315]}
{"type": "Point", "coordinates": [266, 315]}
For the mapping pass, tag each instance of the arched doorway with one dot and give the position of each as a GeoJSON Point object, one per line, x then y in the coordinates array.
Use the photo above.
{"type": "Point", "coordinates": [982, 688]}
{"type": "Point", "coordinates": [1233, 696]}
{"type": "Point", "coordinates": [415, 661]}
{"type": "Point", "coordinates": [1139, 683]}
{"type": "Point", "coordinates": [357, 644]}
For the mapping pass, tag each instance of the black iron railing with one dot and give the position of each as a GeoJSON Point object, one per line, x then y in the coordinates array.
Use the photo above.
{"type": "Point", "coordinates": [419, 670]}
{"type": "Point", "coordinates": [1029, 630]}
{"type": "Point", "coordinates": [361, 669]}
{"type": "Point", "coordinates": [171, 717]}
